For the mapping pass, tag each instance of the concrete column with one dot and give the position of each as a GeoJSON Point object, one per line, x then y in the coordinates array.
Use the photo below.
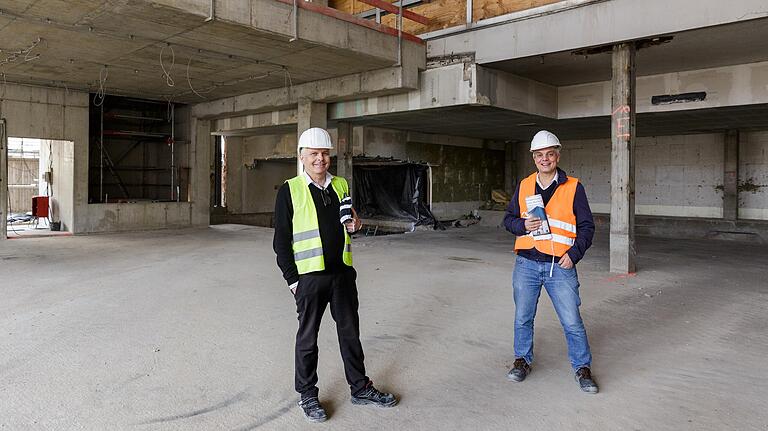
{"type": "Point", "coordinates": [3, 182]}
{"type": "Point", "coordinates": [344, 154]}
{"type": "Point", "coordinates": [509, 168]}
{"type": "Point", "coordinates": [310, 114]}
{"type": "Point", "coordinates": [234, 175]}
{"type": "Point", "coordinates": [202, 163]}
{"type": "Point", "coordinates": [622, 238]}
{"type": "Point", "coordinates": [731, 177]}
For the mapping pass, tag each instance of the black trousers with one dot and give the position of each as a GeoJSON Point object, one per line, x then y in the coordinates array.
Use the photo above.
{"type": "Point", "coordinates": [314, 293]}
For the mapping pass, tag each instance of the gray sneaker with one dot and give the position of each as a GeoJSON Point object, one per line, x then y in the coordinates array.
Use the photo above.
{"type": "Point", "coordinates": [313, 411]}
{"type": "Point", "coordinates": [585, 380]}
{"type": "Point", "coordinates": [371, 395]}
{"type": "Point", "coordinates": [520, 370]}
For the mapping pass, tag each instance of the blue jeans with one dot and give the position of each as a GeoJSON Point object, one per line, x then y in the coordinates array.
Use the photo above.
{"type": "Point", "coordinates": [563, 290]}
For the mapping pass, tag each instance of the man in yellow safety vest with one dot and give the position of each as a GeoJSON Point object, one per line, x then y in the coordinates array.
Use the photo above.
{"type": "Point", "coordinates": [313, 222]}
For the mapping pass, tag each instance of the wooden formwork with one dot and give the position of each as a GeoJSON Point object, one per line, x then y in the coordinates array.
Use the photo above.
{"type": "Point", "coordinates": [444, 13]}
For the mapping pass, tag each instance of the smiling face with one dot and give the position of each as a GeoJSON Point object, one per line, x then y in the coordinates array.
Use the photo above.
{"type": "Point", "coordinates": [546, 159]}
{"type": "Point", "coordinates": [316, 160]}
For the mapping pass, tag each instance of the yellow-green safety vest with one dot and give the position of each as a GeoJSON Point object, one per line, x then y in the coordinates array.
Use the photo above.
{"type": "Point", "coordinates": [307, 245]}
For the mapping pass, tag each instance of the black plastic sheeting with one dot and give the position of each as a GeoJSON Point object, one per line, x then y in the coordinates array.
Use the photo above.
{"type": "Point", "coordinates": [393, 192]}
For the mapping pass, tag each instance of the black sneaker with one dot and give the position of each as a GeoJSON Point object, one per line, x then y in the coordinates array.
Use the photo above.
{"type": "Point", "coordinates": [312, 409]}
{"type": "Point", "coordinates": [520, 370]}
{"type": "Point", "coordinates": [371, 395]}
{"type": "Point", "coordinates": [585, 381]}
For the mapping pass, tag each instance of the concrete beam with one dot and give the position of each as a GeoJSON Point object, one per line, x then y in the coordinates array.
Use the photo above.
{"type": "Point", "coordinates": [447, 86]}
{"type": "Point", "coordinates": [505, 90]}
{"type": "Point", "coordinates": [622, 236]}
{"type": "Point", "coordinates": [317, 24]}
{"type": "Point", "coordinates": [459, 84]}
{"type": "Point", "coordinates": [377, 82]}
{"type": "Point", "coordinates": [731, 176]}
{"type": "Point", "coordinates": [736, 85]}
{"type": "Point", "coordinates": [255, 124]}
{"type": "Point", "coordinates": [592, 23]}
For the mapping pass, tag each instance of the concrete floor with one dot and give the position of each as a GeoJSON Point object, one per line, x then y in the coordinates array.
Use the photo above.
{"type": "Point", "coordinates": [193, 330]}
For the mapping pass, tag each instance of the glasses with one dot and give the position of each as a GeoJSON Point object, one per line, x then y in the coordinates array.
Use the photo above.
{"type": "Point", "coordinates": [326, 195]}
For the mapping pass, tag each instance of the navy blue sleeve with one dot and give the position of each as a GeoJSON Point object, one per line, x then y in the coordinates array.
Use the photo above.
{"type": "Point", "coordinates": [585, 226]}
{"type": "Point", "coordinates": [283, 239]}
{"type": "Point", "coordinates": [512, 221]}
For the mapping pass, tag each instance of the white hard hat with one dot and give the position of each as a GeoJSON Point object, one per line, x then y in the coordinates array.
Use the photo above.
{"type": "Point", "coordinates": [315, 137]}
{"type": "Point", "coordinates": [544, 139]}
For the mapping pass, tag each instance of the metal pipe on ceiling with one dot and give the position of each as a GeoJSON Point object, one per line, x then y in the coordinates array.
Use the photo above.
{"type": "Point", "coordinates": [212, 14]}
{"type": "Point", "coordinates": [295, 21]}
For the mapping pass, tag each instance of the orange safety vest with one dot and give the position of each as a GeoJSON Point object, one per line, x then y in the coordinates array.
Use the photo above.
{"type": "Point", "coordinates": [562, 220]}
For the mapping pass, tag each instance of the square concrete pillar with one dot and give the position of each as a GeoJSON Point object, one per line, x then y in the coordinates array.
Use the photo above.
{"type": "Point", "coordinates": [509, 168]}
{"type": "Point", "coordinates": [310, 114]}
{"type": "Point", "coordinates": [622, 237]}
{"type": "Point", "coordinates": [344, 154]}
{"type": "Point", "coordinates": [3, 182]}
{"type": "Point", "coordinates": [731, 177]}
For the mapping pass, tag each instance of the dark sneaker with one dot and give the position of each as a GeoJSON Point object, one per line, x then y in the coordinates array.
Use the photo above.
{"type": "Point", "coordinates": [585, 381]}
{"type": "Point", "coordinates": [312, 409]}
{"type": "Point", "coordinates": [520, 370]}
{"type": "Point", "coordinates": [371, 395]}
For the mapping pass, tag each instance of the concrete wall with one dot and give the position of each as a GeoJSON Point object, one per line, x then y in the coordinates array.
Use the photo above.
{"type": "Point", "coordinates": [753, 176]}
{"type": "Point", "coordinates": [59, 114]}
{"type": "Point", "coordinates": [252, 187]}
{"type": "Point", "coordinates": [464, 171]}
{"type": "Point", "coordinates": [679, 176]}
{"type": "Point", "coordinates": [58, 156]}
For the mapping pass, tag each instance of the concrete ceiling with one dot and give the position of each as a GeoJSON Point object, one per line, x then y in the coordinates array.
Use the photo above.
{"type": "Point", "coordinates": [77, 38]}
{"type": "Point", "coordinates": [745, 42]}
{"type": "Point", "coordinates": [501, 124]}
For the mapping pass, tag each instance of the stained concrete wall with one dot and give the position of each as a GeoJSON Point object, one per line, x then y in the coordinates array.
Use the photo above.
{"type": "Point", "coordinates": [680, 176]}
{"type": "Point", "coordinates": [60, 114]}
{"type": "Point", "coordinates": [753, 176]}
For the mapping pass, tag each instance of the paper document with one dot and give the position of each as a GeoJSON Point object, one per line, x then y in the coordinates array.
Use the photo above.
{"type": "Point", "coordinates": [535, 205]}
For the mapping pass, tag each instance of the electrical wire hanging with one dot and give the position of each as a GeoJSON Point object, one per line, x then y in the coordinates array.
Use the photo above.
{"type": "Point", "coordinates": [25, 52]}
{"type": "Point", "coordinates": [189, 81]}
{"type": "Point", "coordinates": [166, 72]}
{"type": "Point", "coordinates": [101, 93]}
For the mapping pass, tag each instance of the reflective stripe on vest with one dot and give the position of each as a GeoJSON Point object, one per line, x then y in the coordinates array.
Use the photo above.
{"type": "Point", "coordinates": [307, 244]}
{"type": "Point", "coordinates": [562, 220]}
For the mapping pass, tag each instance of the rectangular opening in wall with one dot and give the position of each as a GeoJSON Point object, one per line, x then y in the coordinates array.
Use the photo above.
{"type": "Point", "coordinates": [395, 191]}
{"type": "Point", "coordinates": [135, 153]}
{"type": "Point", "coordinates": [40, 187]}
